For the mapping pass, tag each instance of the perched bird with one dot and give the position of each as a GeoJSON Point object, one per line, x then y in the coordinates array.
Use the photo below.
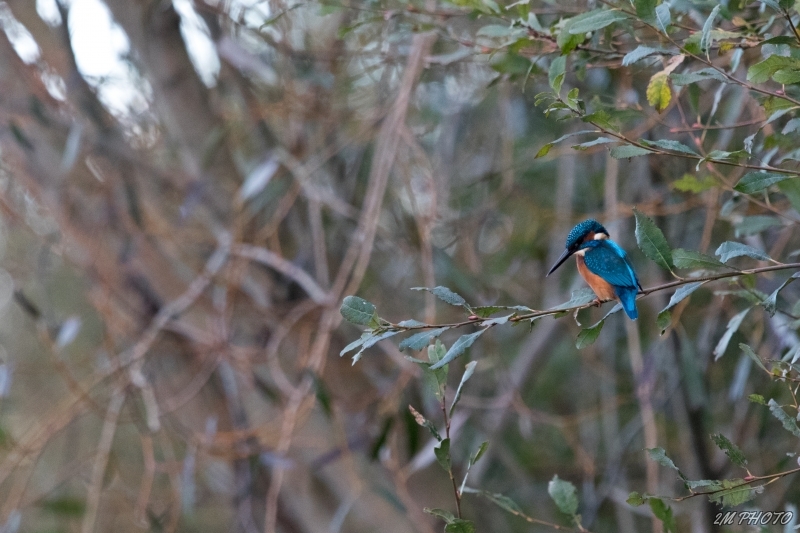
{"type": "Point", "coordinates": [603, 264]}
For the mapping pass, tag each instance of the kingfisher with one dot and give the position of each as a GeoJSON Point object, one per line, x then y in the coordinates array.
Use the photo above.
{"type": "Point", "coordinates": [603, 264]}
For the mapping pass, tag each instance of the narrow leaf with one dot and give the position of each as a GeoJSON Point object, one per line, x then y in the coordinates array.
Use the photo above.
{"type": "Point", "coordinates": [424, 422]}
{"type": "Point", "coordinates": [641, 52]}
{"type": "Point", "coordinates": [697, 76]}
{"type": "Point", "coordinates": [468, 371]}
{"type": "Point", "coordinates": [628, 150]}
{"type": "Point", "coordinates": [692, 259]}
{"type": "Point", "coordinates": [595, 20]}
{"type": "Point", "coordinates": [705, 39]}
{"type": "Point", "coordinates": [420, 340]}
{"type": "Point", "coordinates": [668, 144]}
{"type": "Point", "coordinates": [753, 182]}
{"type": "Point", "coordinates": [652, 242]}
{"type": "Point", "coordinates": [445, 295]}
{"type": "Point", "coordinates": [461, 344]}
{"type": "Point", "coordinates": [660, 456]}
{"type": "Point", "coordinates": [730, 249]}
{"type": "Point", "coordinates": [731, 450]}
{"type": "Point", "coordinates": [635, 499]}
{"type": "Point", "coordinates": [579, 297]}
{"type": "Point", "coordinates": [663, 17]}
{"type": "Point", "coordinates": [681, 294]}
{"type": "Point", "coordinates": [733, 327]}
{"type": "Point", "coordinates": [502, 501]}
{"type": "Point", "coordinates": [564, 494]}
{"type": "Point", "coordinates": [479, 452]}
{"type": "Point", "coordinates": [789, 423]}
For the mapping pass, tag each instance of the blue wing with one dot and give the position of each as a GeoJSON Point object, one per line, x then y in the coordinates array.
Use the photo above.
{"type": "Point", "coordinates": [610, 262]}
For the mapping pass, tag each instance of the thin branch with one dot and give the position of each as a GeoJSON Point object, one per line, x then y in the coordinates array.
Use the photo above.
{"type": "Point", "coordinates": [534, 314]}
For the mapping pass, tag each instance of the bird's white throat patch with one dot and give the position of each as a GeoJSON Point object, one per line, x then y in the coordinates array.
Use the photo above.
{"type": "Point", "coordinates": [581, 252]}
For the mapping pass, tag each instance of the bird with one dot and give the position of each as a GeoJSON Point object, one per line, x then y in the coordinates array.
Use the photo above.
{"type": "Point", "coordinates": [603, 264]}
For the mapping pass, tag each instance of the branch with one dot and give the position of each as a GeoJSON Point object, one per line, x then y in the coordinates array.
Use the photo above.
{"type": "Point", "coordinates": [562, 310]}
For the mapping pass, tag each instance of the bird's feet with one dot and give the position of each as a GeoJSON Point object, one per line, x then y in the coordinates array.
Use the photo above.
{"type": "Point", "coordinates": [597, 302]}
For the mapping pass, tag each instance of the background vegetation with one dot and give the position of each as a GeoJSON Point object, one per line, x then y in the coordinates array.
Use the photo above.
{"type": "Point", "coordinates": [174, 266]}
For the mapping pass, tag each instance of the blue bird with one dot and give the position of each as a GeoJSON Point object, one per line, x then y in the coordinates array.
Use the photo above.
{"type": "Point", "coordinates": [603, 264]}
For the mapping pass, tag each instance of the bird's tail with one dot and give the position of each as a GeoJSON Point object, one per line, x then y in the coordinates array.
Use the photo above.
{"type": "Point", "coordinates": [627, 296]}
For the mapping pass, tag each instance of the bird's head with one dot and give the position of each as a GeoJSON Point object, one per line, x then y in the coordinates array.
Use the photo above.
{"type": "Point", "coordinates": [579, 237]}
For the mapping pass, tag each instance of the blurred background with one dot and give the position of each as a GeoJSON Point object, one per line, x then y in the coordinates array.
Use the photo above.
{"type": "Point", "coordinates": [188, 190]}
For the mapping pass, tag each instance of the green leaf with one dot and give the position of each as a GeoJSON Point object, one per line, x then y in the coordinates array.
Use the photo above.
{"type": "Point", "coordinates": [447, 516]}
{"type": "Point", "coordinates": [646, 10]}
{"type": "Point", "coordinates": [458, 347]}
{"type": "Point", "coordinates": [692, 259]}
{"type": "Point", "coordinates": [442, 452]}
{"type": "Point", "coordinates": [595, 20]}
{"type": "Point", "coordinates": [705, 39]}
{"type": "Point", "coordinates": [544, 150]}
{"type": "Point", "coordinates": [652, 242]}
{"type": "Point", "coordinates": [660, 456]}
{"type": "Point", "coordinates": [755, 224]}
{"type": "Point", "coordinates": [663, 17]}
{"type": "Point", "coordinates": [587, 336]}
{"type": "Point", "coordinates": [435, 379]}
{"type": "Point", "coordinates": [757, 398]}
{"type": "Point", "coordinates": [668, 144]}
{"type": "Point", "coordinates": [731, 450]}
{"type": "Point", "coordinates": [736, 493]}
{"type": "Point", "coordinates": [445, 295]}
{"type": "Point", "coordinates": [753, 182]}
{"type": "Point", "coordinates": [789, 423]}
{"type": "Point", "coordinates": [658, 92]}
{"type": "Point", "coordinates": [579, 297]}
{"type": "Point", "coordinates": [411, 323]}
{"type": "Point", "coordinates": [358, 311]}
{"type": "Point", "coordinates": [688, 78]}
{"type": "Point", "coordinates": [566, 41]}
{"type": "Point", "coordinates": [371, 341]}
{"type": "Point", "coordinates": [628, 150]}
{"type": "Point", "coordinates": [763, 71]}
{"type": "Point", "coordinates": [770, 303]}
{"type": "Point", "coordinates": [635, 499]}
{"type": "Point", "coordinates": [729, 249]}
{"type": "Point", "coordinates": [468, 371]}
{"type": "Point", "coordinates": [663, 321]}
{"type": "Point", "coordinates": [733, 327]}
{"type": "Point", "coordinates": [459, 525]}
{"type": "Point", "coordinates": [479, 453]}
{"type": "Point", "coordinates": [681, 293]}
{"type": "Point", "coordinates": [356, 343]}
{"type": "Point", "coordinates": [564, 494]}
{"type": "Point", "coordinates": [641, 52]}
{"type": "Point", "coordinates": [556, 73]}
{"type": "Point", "coordinates": [660, 509]}
{"type": "Point", "coordinates": [502, 501]}
{"type": "Point", "coordinates": [689, 183]}
{"type": "Point", "coordinates": [787, 76]}
{"type": "Point", "coordinates": [420, 340]}
{"type": "Point", "coordinates": [595, 142]}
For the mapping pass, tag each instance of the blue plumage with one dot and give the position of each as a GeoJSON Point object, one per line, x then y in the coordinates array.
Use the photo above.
{"type": "Point", "coordinates": [608, 264]}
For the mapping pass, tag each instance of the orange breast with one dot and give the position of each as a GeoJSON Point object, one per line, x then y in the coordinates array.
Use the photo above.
{"type": "Point", "coordinates": [601, 287]}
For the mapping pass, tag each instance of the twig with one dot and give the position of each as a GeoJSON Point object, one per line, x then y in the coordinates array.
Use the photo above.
{"type": "Point", "coordinates": [101, 459]}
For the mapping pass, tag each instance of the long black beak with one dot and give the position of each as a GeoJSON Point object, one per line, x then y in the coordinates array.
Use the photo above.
{"type": "Point", "coordinates": [561, 259]}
